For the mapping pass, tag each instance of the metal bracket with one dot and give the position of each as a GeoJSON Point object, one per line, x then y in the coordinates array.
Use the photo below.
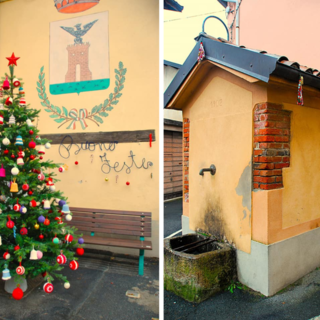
{"type": "Point", "coordinates": [212, 170]}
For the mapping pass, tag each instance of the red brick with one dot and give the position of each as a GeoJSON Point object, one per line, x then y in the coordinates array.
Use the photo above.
{"type": "Point", "coordinates": [263, 138]}
{"type": "Point", "coordinates": [264, 179]}
{"type": "Point", "coordinates": [268, 173]}
{"type": "Point", "coordinates": [286, 159]}
{"type": "Point", "coordinates": [256, 131]}
{"type": "Point", "coordinates": [274, 117]}
{"type": "Point", "coordinates": [286, 145]}
{"type": "Point", "coordinates": [270, 131]}
{"type": "Point", "coordinates": [264, 166]}
{"type": "Point", "coordinates": [258, 152]}
{"type": "Point", "coordinates": [283, 125]}
{"type": "Point", "coordinates": [186, 135]}
{"type": "Point", "coordinates": [256, 172]}
{"type": "Point", "coordinates": [256, 185]}
{"type": "Point", "coordinates": [271, 186]}
{"type": "Point", "coordinates": [256, 118]}
{"type": "Point", "coordinates": [275, 145]}
{"type": "Point", "coordinates": [278, 179]}
{"type": "Point", "coordinates": [282, 139]}
{"type": "Point", "coordinates": [270, 159]}
{"type": "Point", "coordinates": [282, 165]}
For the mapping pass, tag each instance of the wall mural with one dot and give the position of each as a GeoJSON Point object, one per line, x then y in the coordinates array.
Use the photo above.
{"type": "Point", "coordinates": [74, 6]}
{"type": "Point", "coordinates": [78, 65]}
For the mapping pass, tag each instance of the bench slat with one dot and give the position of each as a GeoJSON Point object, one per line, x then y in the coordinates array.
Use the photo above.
{"type": "Point", "coordinates": [111, 221]}
{"type": "Point", "coordinates": [114, 212]}
{"type": "Point", "coordinates": [136, 244]}
{"type": "Point", "coordinates": [111, 226]}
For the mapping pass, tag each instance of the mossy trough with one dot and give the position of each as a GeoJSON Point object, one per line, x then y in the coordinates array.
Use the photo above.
{"type": "Point", "coordinates": [196, 277]}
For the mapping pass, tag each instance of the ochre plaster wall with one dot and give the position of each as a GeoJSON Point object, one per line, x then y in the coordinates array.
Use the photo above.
{"type": "Point", "coordinates": [220, 114]}
{"type": "Point", "coordinates": [133, 39]}
{"type": "Point", "coordinates": [294, 209]}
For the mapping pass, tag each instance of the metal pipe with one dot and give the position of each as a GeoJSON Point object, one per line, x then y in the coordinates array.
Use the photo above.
{"type": "Point", "coordinates": [204, 21]}
{"type": "Point", "coordinates": [212, 170]}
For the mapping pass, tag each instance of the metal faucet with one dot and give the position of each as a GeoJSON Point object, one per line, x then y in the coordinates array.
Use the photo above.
{"type": "Point", "coordinates": [212, 170]}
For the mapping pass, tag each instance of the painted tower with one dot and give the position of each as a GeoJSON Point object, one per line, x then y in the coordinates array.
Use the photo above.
{"type": "Point", "coordinates": [78, 54]}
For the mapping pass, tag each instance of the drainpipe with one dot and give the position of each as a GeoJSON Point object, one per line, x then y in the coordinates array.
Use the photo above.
{"type": "Point", "coordinates": [237, 19]}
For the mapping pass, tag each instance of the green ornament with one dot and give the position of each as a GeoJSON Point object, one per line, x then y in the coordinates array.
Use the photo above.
{"type": "Point", "coordinates": [55, 240]}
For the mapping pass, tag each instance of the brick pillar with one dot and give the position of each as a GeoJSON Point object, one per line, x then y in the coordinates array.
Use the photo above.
{"type": "Point", "coordinates": [186, 133]}
{"type": "Point", "coordinates": [271, 145]}
{"type": "Point", "coordinates": [78, 54]}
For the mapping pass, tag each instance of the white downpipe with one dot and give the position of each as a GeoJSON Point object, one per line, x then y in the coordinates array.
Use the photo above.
{"type": "Point", "coordinates": [237, 19]}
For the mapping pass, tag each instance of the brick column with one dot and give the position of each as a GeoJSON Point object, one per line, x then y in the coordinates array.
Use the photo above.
{"type": "Point", "coordinates": [186, 133]}
{"type": "Point", "coordinates": [271, 145]}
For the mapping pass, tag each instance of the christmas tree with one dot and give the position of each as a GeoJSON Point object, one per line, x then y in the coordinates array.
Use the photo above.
{"type": "Point", "coordinates": [34, 237]}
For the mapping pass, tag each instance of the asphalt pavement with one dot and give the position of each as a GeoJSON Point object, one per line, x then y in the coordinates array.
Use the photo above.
{"type": "Point", "coordinates": [172, 217]}
{"type": "Point", "coordinates": [300, 301]}
{"type": "Point", "coordinates": [98, 291]}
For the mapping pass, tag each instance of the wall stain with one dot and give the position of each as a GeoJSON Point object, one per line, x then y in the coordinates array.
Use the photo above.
{"type": "Point", "coordinates": [243, 188]}
{"type": "Point", "coordinates": [244, 214]}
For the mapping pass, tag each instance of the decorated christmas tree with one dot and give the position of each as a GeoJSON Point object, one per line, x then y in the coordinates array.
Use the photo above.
{"type": "Point", "coordinates": [34, 236]}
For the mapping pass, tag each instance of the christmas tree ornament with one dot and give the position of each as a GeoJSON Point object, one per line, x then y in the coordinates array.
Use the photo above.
{"type": "Point", "coordinates": [20, 162]}
{"type": "Point", "coordinates": [14, 186]}
{"type": "Point", "coordinates": [38, 138]}
{"type": "Point", "coordinates": [10, 223]}
{"type": "Point", "coordinates": [65, 209]}
{"type": "Point", "coordinates": [3, 198]}
{"type": "Point", "coordinates": [46, 222]}
{"type": "Point", "coordinates": [12, 119]}
{"type": "Point", "coordinates": [30, 193]}
{"type": "Point", "coordinates": [39, 254]}
{"type": "Point", "coordinates": [16, 82]}
{"type": "Point", "coordinates": [6, 84]}
{"type": "Point", "coordinates": [46, 205]}
{"type": "Point", "coordinates": [17, 206]}
{"type": "Point", "coordinates": [14, 231]}
{"type": "Point", "coordinates": [66, 285]}
{"type": "Point", "coordinates": [29, 123]}
{"type": "Point", "coordinates": [61, 169]}
{"type": "Point", "coordinates": [13, 156]}
{"type": "Point", "coordinates": [22, 102]}
{"type": "Point", "coordinates": [1, 119]}
{"type": "Point", "coordinates": [32, 157]}
{"type": "Point", "coordinates": [33, 203]}
{"type": "Point", "coordinates": [41, 157]}
{"type": "Point", "coordinates": [74, 265]}
{"type": "Point", "coordinates": [33, 254]}
{"type": "Point", "coordinates": [2, 172]}
{"type": "Point", "coordinates": [15, 171]}
{"type": "Point", "coordinates": [36, 226]}
{"type": "Point", "coordinates": [61, 259]}
{"type": "Point", "coordinates": [32, 144]}
{"type": "Point", "coordinates": [48, 145]}
{"type": "Point", "coordinates": [68, 238]}
{"type": "Point", "coordinates": [48, 287]}
{"type": "Point", "coordinates": [21, 154]}
{"type": "Point", "coordinates": [127, 183]}
{"type": "Point", "coordinates": [6, 255]}
{"type": "Point", "coordinates": [6, 273]}
{"type": "Point", "coordinates": [13, 60]}
{"type": "Point", "coordinates": [80, 251]}
{"type": "Point", "coordinates": [55, 240]}
{"type": "Point", "coordinates": [80, 241]}
{"type": "Point", "coordinates": [16, 248]}
{"type": "Point", "coordinates": [106, 179]}
{"type": "Point", "coordinates": [24, 231]}
{"type": "Point", "coordinates": [31, 132]}
{"type": "Point", "coordinates": [17, 293]}
{"type": "Point", "coordinates": [76, 163]}
{"type": "Point", "coordinates": [2, 106]}
{"type": "Point", "coordinates": [25, 187]}
{"type": "Point", "coordinates": [61, 202]}
{"type": "Point", "coordinates": [41, 236]}
{"type": "Point", "coordinates": [68, 217]}
{"type": "Point", "coordinates": [52, 188]}
{"type": "Point", "coordinates": [41, 176]}
{"type": "Point", "coordinates": [59, 220]}
{"type": "Point", "coordinates": [41, 219]}
{"type": "Point", "coordinates": [6, 142]}
{"type": "Point", "coordinates": [21, 91]}
{"type": "Point", "coordinates": [19, 141]}
{"type": "Point", "coordinates": [41, 150]}
{"type": "Point", "coordinates": [20, 270]}
{"type": "Point", "coordinates": [0, 241]}
{"type": "Point", "coordinates": [6, 151]}
{"type": "Point", "coordinates": [23, 209]}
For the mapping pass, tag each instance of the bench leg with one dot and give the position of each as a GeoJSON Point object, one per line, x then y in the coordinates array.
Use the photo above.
{"type": "Point", "coordinates": [141, 262]}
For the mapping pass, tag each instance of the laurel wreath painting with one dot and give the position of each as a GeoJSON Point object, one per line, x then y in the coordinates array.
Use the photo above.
{"type": "Point", "coordinates": [63, 116]}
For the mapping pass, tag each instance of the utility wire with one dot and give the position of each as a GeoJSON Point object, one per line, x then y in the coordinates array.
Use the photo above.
{"type": "Point", "coordinates": [199, 15]}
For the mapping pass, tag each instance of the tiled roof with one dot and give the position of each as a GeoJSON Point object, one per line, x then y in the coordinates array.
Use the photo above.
{"type": "Point", "coordinates": [256, 63]}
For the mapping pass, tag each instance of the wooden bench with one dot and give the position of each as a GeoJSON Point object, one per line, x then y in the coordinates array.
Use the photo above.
{"type": "Point", "coordinates": [109, 222]}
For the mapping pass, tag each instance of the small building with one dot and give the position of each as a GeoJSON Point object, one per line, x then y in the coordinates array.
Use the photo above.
{"type": "Point", "coordinates": [240, 114]}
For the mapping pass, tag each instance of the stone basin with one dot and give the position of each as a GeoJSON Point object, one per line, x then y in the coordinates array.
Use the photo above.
{"type": "Point", "coordinates": [199, 275]}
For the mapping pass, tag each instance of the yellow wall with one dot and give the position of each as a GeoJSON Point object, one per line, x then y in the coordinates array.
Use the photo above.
{"type": "Point", "coordinates": [133, 39]}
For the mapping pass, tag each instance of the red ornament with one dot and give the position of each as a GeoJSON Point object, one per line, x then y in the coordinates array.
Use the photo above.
{"type": "Point", "coordinates": [127, 183]}
{"type": "Point", "coordinates": [74, 265]}
{"type": "Point", "coordinates": [16, 248]}
{"type": "Point", "coordinates": [6, 84]}
{"type": "Point", "coordinates": [30, 132]}
{"type": "Point", "coordinates": [6, 151]}
{"type": "Point", "coordinates": [10, 223]}
{"type": "Point", "coordinates": [13, 60]}
{"type": "Point", "coordinates": [13, 156]}
{"type": "Point", "coordinates": [46, 222]}
{"type": "Point", "coordinates": [17, 293]}
{"type": "Point", "coordinates": [61, 258]}
{"type": "Point", "coordinates": [44, 274]}
{"type": "Point", "coordinates": [41, 157]}
{"type": "Point", "coordinates": [59, 220]}
{"type": "Point", "coordinates": [80, 251]}
{"type": "Point", "coordinates": [32, 157]}
{"type": "Point", "coordinates": [6, 255]}
{"type": "Point", "coordinates": [41, 237]}
{"type": "Point", "coordinates": [32, 144]}
{"type": "Point", "coordinates": [48, 287]}
{"type": "Point", "coordinates": [8, 101]}
{"type": "Point", "coordinates": [76, 162]}
{"type": "Point", "coordinates": [30, 192]}
{"type": "Point", "coordinates": [69, 238]}
{"type": "Point", "coordinates": [33, 202]}
{"type": "Point", "coordinates": [23, 231]}
{"type": "Point", "coordinates": [25, 187]}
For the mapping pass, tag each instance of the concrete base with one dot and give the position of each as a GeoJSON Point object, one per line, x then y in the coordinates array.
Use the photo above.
{"type": "Point", "coordinates": [185, 225]}
{"type": "Point", "coordinates": [270, 268]}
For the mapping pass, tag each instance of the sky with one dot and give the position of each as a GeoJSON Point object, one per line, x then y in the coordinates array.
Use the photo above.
{"type": "Point", "coordinates": [180, 28]}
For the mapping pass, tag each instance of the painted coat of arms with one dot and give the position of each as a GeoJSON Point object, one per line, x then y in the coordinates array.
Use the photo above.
{"type": "Point", "coordinates": [79, 54]}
